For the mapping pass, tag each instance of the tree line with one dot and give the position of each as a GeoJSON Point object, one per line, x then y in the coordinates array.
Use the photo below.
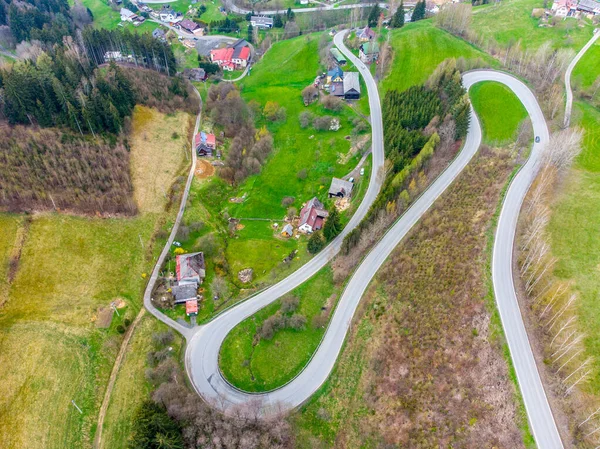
{"type": "Point", "coordinates": [411, 122]}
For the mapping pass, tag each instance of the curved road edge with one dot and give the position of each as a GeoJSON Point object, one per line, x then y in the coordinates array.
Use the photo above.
{"type": "Point", "coordinates": [569, 102]}
{"type": "Point", "coordinates": [183, 330]}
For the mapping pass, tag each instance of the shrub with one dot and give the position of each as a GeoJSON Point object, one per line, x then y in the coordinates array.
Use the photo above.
{"type": "Point", "coordinates": [297, 322]}
{"type": "Point", "coordinates": [162, 338]}
{"type": "Point", "coordinates": [305, 118]}
{"type": "Point", "coordinates": [322, 123]}
{"type": "Point", "coordinates": [270, 110]}
{"type": "Point", "coordinates": [121, 329]}
{"type": "Point", "coordinates": [271, 325]}
{"type": "Point", "coordinates": [287, 201]}
{"type": "Point", "coordinates": [289, 303]}
{"type": "Point", "coordinates": [302, 174]}
{"type": "Point", "coordinates": [126, 322]}
{"type": "Point", "coordinates": [332, 103]}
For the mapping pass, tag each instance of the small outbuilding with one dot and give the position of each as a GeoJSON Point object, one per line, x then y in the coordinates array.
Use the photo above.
{"type": "Point", "coordinates": [191, 307]}
{"type": "Point", "coordinates": [338, 57]}
{"type": "Point", "coordinates": [287, 231]}
{"type": "Point", "coordinates": [340, 188]}
{"type": "Point", "coordinates": [351, 86]}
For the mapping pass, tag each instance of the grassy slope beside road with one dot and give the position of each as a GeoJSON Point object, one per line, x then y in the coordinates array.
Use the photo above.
{"type": "Point", "coordinates": [418, 49]}
{"type": "Point", "coordinates": [575, 234]}
{"type": "Point", "coordinates": [50, 348]}
{"type": "Point", "coordinates": [587, 69]}
{"type": "Point", "coordinates": [255, 364]}
{"type": "Point", "coordinates": [500, 111]}
{"type": "Point", "coordinates": [510, 21]}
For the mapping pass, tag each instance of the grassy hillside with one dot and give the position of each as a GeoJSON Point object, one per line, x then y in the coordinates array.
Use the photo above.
{"type": "Point", "coordinates": [510, 21]}
{"type": "Point", "coordinates": [575, 234]}
{"type": "Point", "coordinates": [418, 49]}
{"type": "Point", "coordinates": [493, 100]}
{"type": "Point", "coordinates": [587, 69]}
{"type": "Point", "coordinates": [51, 343]}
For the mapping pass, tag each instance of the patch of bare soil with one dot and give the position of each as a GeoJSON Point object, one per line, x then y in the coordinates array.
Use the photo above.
{"type": "Point", "coordinates": [204, 169]}
{"type": "Point", "coordinates": [104, 317]}
{"type": "Point", "coordinates": [433, 377]}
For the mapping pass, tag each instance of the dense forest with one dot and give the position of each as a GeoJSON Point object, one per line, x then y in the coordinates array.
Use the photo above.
{"type": "Point", "coordinates": [411, 121]}
{"type": "Point", "coordinates": [63, 139]}
{"type": "Point", "coordinates": [47, 21]}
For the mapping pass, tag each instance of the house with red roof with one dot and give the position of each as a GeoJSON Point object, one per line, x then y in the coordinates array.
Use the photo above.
{"type": "Point", "coordinates": [205, 144]}
{"type": "Point", "coordinates": [232, 57]}
{"type": "Point", "coordinates": [312, 216]}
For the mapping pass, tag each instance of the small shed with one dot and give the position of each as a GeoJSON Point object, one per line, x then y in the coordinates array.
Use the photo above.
{"type": "Point", "coordinates": [287, 230]}
{"type": "Point", "coordinates": [191, 307]}
{"type": "Point", "coordinates": [338, 56]}
{"type": "Point", "coordinates": [340, 188]}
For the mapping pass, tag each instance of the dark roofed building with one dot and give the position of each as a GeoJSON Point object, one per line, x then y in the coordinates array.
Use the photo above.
{"type": "Point", "coordinates": [159, 34]}
{"type": "Point", "coordinates": [351, 86]}
{"type": "Point", "coordinates": [184, 292]}
{"type": "Point", "coordinates": [340, 188]}
{"type": "Point", "coordinates": [197, 74]}
{"type": "Point", "coordinates": [190, 268]}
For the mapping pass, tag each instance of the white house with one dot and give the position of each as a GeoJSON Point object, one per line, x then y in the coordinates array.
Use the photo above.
{"type": "Point", "coordinates": [261, 21]}
{"type": "Point", "coordinates": [168, 14]}
{"type": "Point", "coordinates": [127, 15]}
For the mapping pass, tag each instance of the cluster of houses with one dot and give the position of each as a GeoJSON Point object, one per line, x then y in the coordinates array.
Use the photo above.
{"type": "Point", "coordinates": [233, 57]}
{"type": "Point", "coordinates": [344, 85]}
{"type": "Point", "coordinates": [575, 8]}
{"type": "Point", "coordinates": [190, 274]}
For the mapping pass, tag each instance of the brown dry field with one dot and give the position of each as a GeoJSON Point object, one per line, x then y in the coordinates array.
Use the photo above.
{"type": "Point", "coordinates": [157, 155]}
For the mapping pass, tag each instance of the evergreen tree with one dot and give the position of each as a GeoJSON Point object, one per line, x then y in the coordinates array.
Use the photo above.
{"type": "Point", "coordinates": [153, 428]}
{"type": "Point", "coordinates": [277, 21]}
{"type": "Point", "coordinates": [398, 19]}
{"type": "Point", "coordinates": [250, 34]}
{"type": "Point", "coordinates": [419, 11]}
{"type": "Point", "coordinates": [316, 242]}
{"type": "Point", "coordinates": [3, 13]}
{"type": "Point", "coordinates": [374, 16]}
{"type": "Point", "coordinates": [290, 15]}
{"type": "Point", "coordinates": [332, 226]}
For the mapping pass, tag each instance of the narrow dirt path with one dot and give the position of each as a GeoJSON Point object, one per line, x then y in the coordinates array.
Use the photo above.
{"type": "Point", "coordinates": [113, 377]}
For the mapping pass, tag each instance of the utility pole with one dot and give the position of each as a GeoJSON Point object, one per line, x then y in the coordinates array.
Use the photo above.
{"type": "Point", "coordinates": [75, 405]}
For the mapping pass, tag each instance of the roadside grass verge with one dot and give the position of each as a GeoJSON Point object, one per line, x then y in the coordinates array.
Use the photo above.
{"type": "Point", "coordinates": [400, 378]}
{"type": "Point", "coordinates": [586, 71]}
{"type": "Point", "coordinates": [419, 48]}
{"type": "Point", "coordinates": [500, 111]}
{"type": "Point", "coordinates": [574, 235]}
{"type": "Point", "coordinates": [50, 344]}
{"type": "Point", "coordinates": [518, 24]}
{"type": "Point", "coordinates": [257, 364]}
{"type": "Point", "coordinates": [131, 387]}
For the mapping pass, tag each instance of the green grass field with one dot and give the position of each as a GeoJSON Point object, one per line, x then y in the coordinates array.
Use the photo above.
{"type": "Point", "coordinates": [493, 100]}
{"type": "Point", "coordinates": [510, 21]}
{"type": "Point", "coordinates": [574, 234]}
{"type": "Point", "coordinates": [587, 69]}
{"type": "Point", "coordinates": [418, 49]}
{"type": "Point", "coordinates": [131, 387]}
{"type": "Point", "coordinates": [267, 364]}
{"type": "Point", "coordinates": [50, 346]}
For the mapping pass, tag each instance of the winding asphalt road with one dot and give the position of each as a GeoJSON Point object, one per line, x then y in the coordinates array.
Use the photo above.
{"type": "Point", "coordinates": [202, 352]}
{"type": "Point", "coordinates": [569, 103]}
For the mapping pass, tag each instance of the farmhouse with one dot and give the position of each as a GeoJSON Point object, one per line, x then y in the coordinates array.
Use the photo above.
{"type": "Point", "coordinates": [351, 86]}
{"type": "Point", "coordinates": [261, 21]}
{"type": "Point", "coordinates": [590, 7]}
{"type": "Point", "coordinates": [191, 27]}
{"type": "Point", "coordinates": [128, 16]}
{"type": "Point", "coordinates": [235, 56]}
{"type": "Point", "coordinates": [312, 216]}
{"type": "Point", "coordinates": [168, 14]}
{"type": "Point", "coordinates": [369, 52]}
{"type": "Point", "coordinates": [190, 268]}
{"type": "Point", "coordinates": [338, 57]}
{"type": "Point", "coordinates": [564, 8]}
{"type": "Point", "coordinates": [159, 34]}
{"type": "Point", "coordinates": [365, 35]}
{"type": "Point", "coordinates": [335, 75]}
{"type": "Point", "coordinates": [205, 144]}
{"type": "Point", "coordinates": [340, 188]}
